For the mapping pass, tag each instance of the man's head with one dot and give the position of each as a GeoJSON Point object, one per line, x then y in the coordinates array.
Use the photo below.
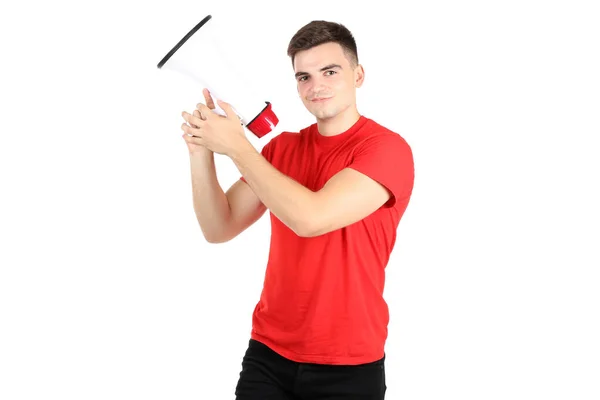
{"type": "Point", "coordinates": [325, 61]}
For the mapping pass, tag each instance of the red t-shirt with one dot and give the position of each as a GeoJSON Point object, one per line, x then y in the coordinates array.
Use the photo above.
{"type": "Point", "coordinates": [322, 299]}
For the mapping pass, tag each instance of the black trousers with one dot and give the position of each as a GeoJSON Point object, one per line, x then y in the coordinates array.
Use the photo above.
{"type": "Point", "coordinates": [267, 375]}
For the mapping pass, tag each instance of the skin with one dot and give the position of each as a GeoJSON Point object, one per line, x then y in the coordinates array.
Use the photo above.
{"type": "Point", "coordinates": [326, 83]}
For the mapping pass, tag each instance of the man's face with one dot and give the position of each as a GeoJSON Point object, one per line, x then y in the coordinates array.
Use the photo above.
{"type": "Point", "coordinates": [326, 80]}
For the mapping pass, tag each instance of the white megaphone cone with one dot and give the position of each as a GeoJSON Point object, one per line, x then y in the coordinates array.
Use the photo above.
{"type": "Point", "coordinates": [201, 56]}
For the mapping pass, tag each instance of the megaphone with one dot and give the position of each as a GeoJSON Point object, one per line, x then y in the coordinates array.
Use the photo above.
{"type": "Point", "coordinates": [203, 57]}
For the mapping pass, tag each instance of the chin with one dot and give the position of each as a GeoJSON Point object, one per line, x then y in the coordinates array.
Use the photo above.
{"type": "Point", "coordinates": [326, 113]}
{"type": "Point", "coordinates": [322, 115]}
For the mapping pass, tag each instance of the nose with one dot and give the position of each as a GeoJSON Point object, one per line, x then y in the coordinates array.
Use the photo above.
{"type": "Point", "coordinates": [317, 86]}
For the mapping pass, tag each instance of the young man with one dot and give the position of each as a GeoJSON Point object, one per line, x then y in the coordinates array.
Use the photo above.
{"type": "Point", "coordinates": [336, 192]}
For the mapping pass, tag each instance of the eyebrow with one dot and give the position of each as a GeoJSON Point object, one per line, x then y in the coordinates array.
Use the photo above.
{"type": "Point", "coordinates": [330, 66]}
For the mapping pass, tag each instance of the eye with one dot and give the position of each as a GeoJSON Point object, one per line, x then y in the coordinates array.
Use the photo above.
{"type": "Point", "coordinates": [301, 79]}
{"type": "Point", "coordinates": [328, 72]}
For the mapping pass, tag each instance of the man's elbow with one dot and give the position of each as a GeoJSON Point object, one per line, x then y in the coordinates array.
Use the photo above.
{"type": "Point", "coordinates": [308, 228]}
{"type": "Point", "coordinates": [216, 238]}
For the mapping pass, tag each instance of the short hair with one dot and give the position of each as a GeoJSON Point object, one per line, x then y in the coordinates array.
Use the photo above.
{"type": "Point", "coordinates": [316, 33]}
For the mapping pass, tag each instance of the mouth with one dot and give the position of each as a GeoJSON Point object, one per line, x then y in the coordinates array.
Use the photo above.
{"type": "Point", "coordinates": [320, 99]}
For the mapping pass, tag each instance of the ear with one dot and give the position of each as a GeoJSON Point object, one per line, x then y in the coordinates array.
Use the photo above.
{"type": "Point", "coordinates": [359, 76]}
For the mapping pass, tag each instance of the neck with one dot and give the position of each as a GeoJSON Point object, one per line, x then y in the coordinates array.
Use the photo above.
{"type": "Point", "coordinates": [338, 124]}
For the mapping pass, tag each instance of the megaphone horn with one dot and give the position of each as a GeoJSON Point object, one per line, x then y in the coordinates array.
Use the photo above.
{"type": "Point", "coordinates": [199, 55]}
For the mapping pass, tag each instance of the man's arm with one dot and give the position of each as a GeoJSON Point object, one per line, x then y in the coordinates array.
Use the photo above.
{"type": "Point", "coordinates": [222, 216]}
{"type": "Point", "coordinates": [347, 197]}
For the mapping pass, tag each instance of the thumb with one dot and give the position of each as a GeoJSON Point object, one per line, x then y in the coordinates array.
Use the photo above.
{"type": "Point", "coordinates": [228, 110]}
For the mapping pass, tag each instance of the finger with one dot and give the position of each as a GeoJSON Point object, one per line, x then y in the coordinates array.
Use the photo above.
{"type": "Point", "coordinates": [193, 120]}
{"type": "Point", "coordinates": [228, 110]}
{"type": "Point", "coordinates": [188, 130]}
{"type": "Point", "coordinates": [208, 98]}
{"type": "Point", "coordinates": [193, 140]}
{"type": "Point", "coordinates": [197, 114]}
{"type": "Point", "coordinates": [205, 111]}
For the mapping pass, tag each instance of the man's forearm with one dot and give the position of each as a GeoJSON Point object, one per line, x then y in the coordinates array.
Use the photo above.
{"type": "Point", "coordinates": [210, 202]}
{"type": "Point", "coordinates": [288, 200]}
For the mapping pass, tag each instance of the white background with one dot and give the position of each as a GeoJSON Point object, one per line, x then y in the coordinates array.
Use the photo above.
{"type": "Point", "coordinates": [109, 291]}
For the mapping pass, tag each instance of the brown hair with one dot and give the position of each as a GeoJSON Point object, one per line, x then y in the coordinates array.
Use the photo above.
{"type": "Point", "coordinates": [316, 33]}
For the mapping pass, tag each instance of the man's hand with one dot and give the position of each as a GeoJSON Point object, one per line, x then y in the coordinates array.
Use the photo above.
{"type": "Point", "coordinates": [220, 134]}
{"type": "Point", "coordinates": [195, 148]}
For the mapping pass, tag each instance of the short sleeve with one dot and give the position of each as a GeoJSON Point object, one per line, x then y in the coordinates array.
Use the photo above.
{"type": "Point", "coordinates": [267, 153]}
{"type": "Point", "coordinates": [387, 159]}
